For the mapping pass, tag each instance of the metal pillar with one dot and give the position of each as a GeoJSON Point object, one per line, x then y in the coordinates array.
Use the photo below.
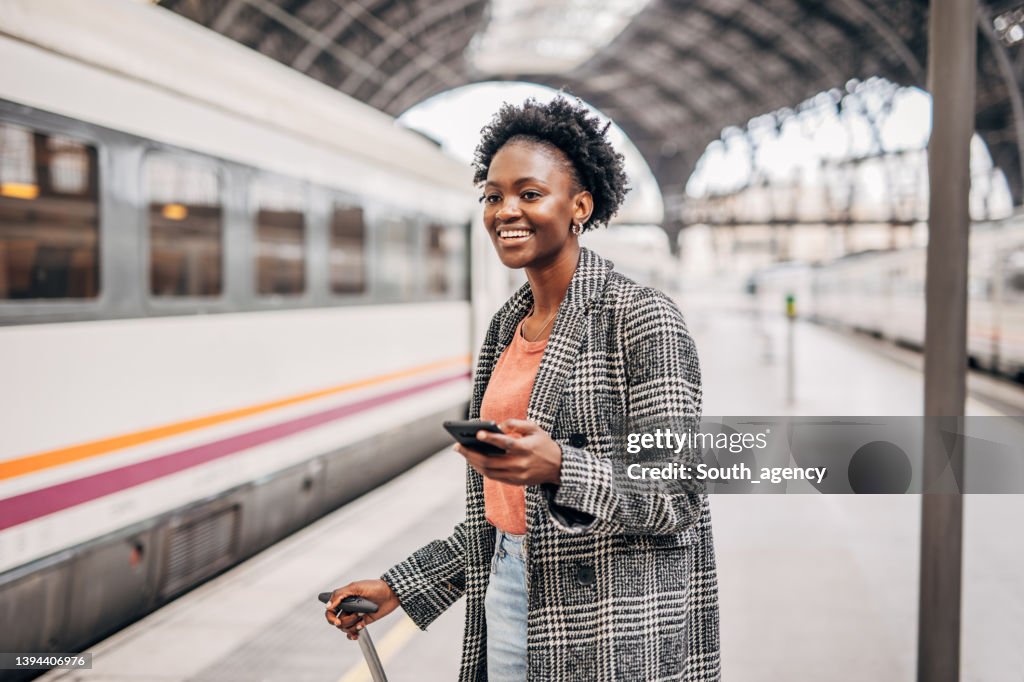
{"type": "Point", "coordinates": [952, 32]}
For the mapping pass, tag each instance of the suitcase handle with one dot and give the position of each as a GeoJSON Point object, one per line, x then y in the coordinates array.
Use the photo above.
{"type": "Point", "coordinates": [356, 604]}
{"type": "Point", "coordinates": [353, 604]}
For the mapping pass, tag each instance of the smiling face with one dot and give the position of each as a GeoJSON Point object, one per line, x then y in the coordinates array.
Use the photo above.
{"type": "Point", "coordinates": [530, 200]}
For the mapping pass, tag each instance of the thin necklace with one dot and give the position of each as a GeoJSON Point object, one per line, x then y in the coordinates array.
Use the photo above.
{"type": "Point", "coordinates": [522, 327]}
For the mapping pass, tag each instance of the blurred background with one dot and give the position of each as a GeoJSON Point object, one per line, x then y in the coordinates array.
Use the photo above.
{"type": "Point", "coordinates": [243, 276]}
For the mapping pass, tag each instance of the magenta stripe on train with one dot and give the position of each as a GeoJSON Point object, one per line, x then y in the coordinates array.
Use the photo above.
{"type": "Point", "coordinates": [28, 506]}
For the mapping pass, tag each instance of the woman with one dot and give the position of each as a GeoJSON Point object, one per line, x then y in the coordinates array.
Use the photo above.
{"type": "Point", "coordinates": [571, 572]}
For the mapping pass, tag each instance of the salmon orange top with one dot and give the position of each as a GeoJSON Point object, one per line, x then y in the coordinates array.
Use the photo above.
{"type": "Point", "coordinates": [507, 397]}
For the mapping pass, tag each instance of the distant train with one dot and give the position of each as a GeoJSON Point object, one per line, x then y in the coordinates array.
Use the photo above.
{"type": "Point", "coordinates": [231, 299]}
{"type": "Point", "coordinates": [882, 293]}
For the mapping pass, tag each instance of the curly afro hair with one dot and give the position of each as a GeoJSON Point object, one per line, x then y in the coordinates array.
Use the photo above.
{"type": "Point", "coordinates": [572, 130]}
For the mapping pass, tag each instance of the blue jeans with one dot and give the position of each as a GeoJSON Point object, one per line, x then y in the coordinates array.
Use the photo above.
{"type": "Point", "coordinates": [506, 604]}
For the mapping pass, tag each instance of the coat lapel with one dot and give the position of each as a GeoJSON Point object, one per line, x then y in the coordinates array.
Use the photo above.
{"type": "Point", "coordinates": [563, 344]}
{"type": "Point", "coordinates": [563, 347]}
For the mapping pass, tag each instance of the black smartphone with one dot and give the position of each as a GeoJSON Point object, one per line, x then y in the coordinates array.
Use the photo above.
{"type": "Point", "coordinates": [464, 431]}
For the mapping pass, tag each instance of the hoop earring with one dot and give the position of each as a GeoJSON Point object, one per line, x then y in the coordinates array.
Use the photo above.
{"type": "Point", "coordinates": [576, 229]}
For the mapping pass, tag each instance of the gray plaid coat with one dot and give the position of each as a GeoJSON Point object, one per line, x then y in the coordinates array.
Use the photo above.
{"type": "Point", "coordinates": [621, 583]}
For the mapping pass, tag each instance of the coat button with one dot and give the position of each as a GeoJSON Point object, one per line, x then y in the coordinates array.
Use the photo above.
{"type": "Point", "coordinates": [585, 575]}
{"type": "Point", "coordinates": [578, 440]}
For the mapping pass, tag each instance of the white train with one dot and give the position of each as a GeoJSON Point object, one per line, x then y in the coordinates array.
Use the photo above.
{"type": "Point", "coordinates": [231, 299]}
{"type": "Point", "coordinates": [882, 293]}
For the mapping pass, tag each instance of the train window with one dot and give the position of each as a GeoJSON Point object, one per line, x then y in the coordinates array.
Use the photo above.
{"type": "Point", "coordinates": [446, 262]}
{"type": "Point", "coordinates": [49, 216]}
{"type": "Point", "coordinates": [348, 251]}
{"type": "Point", "coordinates": [397, 258]}
{"type": "Point", "coordinates": [1015, 283]}
{"type": "Point", "coordinates": [280, 239]}
{"type": "Point", "coordinates": [437, 260]}
{"type": "Point", "coordinates": [185, 227]}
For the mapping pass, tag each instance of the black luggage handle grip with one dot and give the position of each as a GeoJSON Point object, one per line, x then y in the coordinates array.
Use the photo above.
{"type": "Point", "coordinates": [353, 604]}
{"type": "Point", "coordinates": [356, 604]}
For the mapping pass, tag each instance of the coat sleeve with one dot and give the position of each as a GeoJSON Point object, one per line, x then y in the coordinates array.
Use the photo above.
{"type": "Point", "coordinates": [663, 390]}
{"type": "Point", "coordinates": [432, 578]}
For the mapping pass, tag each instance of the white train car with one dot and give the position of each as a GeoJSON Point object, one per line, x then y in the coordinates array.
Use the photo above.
{"type": "Point", "coordinates": [882, 293]}
{"type": "Point", "coordinates": [1001, 330]}
{"type": "Point", "coordinates": [231, 299]}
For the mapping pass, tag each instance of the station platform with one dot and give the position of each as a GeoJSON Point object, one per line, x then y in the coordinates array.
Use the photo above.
{"type": "Point", "coordinates": [812, 587]}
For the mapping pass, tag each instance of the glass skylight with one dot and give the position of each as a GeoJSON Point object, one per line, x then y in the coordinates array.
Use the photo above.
{"type": "Point", "coordinates": [547, 36]}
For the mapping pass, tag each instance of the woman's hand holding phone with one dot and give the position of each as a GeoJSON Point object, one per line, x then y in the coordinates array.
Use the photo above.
{"type": "Point", "coordinates": [465, 431]}
{"type": "Point", "coordinates": [531, 456]}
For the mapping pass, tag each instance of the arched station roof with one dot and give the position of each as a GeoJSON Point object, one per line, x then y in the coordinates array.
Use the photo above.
{"type": "Point", "coordinates": [679, 72]}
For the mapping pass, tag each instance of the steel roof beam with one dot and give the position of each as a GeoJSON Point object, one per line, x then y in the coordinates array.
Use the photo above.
{"type": "Point", "coordinates": [422, 23]}
{"type": "Point", "coordinates": [803, 51]}
{"type": "Point", "coordinates": [1013, 92]}
{"type": "Point", "coordinates": [338, 25]}
{"type": "Point", "coordinates": [862, 11]}
{"type": "Point", "coordinates": [409, 85]}
{"type": "Point", "coordinates": [347, 57]}
{"type": "Point", "coordinates": [386, 32]}
{"type": "Point", "coordinates": [227, 16]}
